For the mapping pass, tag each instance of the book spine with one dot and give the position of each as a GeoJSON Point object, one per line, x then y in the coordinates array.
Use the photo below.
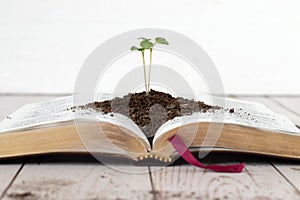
{"type": "Point", "coordinates": [155, 157]}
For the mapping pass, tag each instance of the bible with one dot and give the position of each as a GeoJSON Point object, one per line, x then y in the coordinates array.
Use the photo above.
{"type": "Point", "coordinates": [60, 127]}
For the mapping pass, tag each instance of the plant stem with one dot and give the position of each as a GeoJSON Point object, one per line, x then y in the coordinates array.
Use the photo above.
{"type": "Point", "coordinates": [144, 64]}
{"type": "Point", "coordinates": [149, 73]}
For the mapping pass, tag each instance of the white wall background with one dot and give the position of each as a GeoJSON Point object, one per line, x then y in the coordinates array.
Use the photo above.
{"type": "Point", "coordinates": [255, 44]}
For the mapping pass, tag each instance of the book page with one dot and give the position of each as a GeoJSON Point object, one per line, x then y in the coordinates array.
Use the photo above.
{"type": "Point", "coordinates": [49, 107]}
{"type": "Point", "coordinates": [245, 113]}
{"type": "Point", "coordinates": [57, 111]}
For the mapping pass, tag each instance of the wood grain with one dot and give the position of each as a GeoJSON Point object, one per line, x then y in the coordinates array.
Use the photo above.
{"type": "Point", "coordinates": [269, 182]}
{"type": "Point", "coordinates": [177, 182]}
{"type": "Point", "coordinates": [78, 181]}
{"type": "Point", "coordinates": [258, 181]}
{"type": "Point", "coordinates": [291, 172]}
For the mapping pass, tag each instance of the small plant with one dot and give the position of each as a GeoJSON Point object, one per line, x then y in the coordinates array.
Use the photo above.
{"type": "Point", "coordinates": [144, 45]}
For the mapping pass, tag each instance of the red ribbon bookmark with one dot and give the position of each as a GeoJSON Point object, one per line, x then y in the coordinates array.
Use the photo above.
{"type": "Point", "coordinates": [184, 152]}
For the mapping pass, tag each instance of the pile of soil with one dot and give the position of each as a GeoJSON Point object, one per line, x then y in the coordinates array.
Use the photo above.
{"type": "Point", "coordinates": [150, 111]}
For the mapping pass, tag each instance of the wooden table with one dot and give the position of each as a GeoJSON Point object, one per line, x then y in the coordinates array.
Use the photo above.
{"type": "Point", "coordinates": [263, 178]}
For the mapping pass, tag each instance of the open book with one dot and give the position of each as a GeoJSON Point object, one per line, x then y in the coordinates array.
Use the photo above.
{"type": "Point", "coordinates": [52, 128]}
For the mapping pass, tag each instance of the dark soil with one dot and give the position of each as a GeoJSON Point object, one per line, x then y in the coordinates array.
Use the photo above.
{"type": "Point", "coordinates": [150, 111]}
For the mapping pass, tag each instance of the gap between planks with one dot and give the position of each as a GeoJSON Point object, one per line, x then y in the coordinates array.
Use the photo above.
{"type": "Point", "coordinates": [153, 191]}
{"type": "Point", "coordinates": [12, 181]}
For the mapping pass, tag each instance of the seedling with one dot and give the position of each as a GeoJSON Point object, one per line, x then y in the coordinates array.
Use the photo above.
{"type": "Point", "coordinates": [144, 45]}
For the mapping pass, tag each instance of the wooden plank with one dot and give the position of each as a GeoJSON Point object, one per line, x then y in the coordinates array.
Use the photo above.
{"type": "Point", "coordinates": [290, 104]}
{"type": "Point", "coordinates": [270, 183]}
{"type": "Point", "coordinates": [258, 181]}
{"type": "Point", "coordinates": [78, 181]}
{"type": "Point", "coordinates": [290, 170]}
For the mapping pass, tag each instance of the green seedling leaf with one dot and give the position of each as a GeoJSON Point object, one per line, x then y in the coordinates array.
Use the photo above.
{"type": "Point", "coordinates": [161, 40]}
{"type": "Point", "coordinates": [146, 44]}
{"type": "Point", "coordinates": [133, 48]}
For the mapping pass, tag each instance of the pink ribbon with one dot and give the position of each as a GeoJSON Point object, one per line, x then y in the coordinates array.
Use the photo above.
{"type": "Point", "coordinates": [184, 152]}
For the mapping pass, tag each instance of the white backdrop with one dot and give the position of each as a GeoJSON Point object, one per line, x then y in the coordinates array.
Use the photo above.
{"type": "Point", "coordinates": [255, 44]}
